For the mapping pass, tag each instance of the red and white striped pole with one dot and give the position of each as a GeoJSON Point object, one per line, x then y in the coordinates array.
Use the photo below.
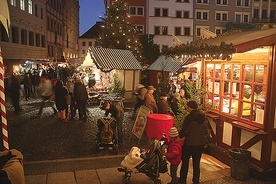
{"type": "Point", "coordinates": [3, 105]}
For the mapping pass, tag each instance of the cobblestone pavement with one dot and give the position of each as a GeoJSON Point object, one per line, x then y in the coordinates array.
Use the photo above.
{"type": "Point", "coordinates": [45, 138]}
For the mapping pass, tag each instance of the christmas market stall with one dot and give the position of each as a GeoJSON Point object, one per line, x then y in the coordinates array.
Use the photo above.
{"type": "Point", "coordinates": [163, 70]}
{"type": "Point", "coordinates": [115, 71]}
{"type": "Point", "coordinates": [241, 85]}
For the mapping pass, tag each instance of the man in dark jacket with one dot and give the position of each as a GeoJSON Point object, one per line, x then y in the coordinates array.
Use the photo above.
{"type": "Point", "coordinates": [81, 97]}
{"type": "Point", "coordinates": [194, 130]}
{"type": "Point", "coordinates": [116, 111]}
{"type": "Point", "coordinates": [27, 86]}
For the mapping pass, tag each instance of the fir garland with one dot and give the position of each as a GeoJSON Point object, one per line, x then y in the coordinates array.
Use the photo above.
{"type": "Point", "coordinates": [197, 49]}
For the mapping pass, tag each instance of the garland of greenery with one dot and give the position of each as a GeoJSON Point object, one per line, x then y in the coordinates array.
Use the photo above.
{"type": "Point", "coordinates": [197, 49]}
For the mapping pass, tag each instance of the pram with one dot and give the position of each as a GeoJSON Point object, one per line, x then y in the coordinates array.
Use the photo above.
{"type": "Point", "coordinates": [106, 135]}
{"type": "Point", "coordinates": [151, 162]}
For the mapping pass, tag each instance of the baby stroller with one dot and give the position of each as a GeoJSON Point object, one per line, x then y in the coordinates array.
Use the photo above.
{"type": "Point", "coordinates": [106, 135]}
{"type": "Point", "coordinates": [151, 162]}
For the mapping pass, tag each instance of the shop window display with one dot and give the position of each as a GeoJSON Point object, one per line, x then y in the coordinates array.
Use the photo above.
{"type": "Point", "coordinates": [237, 89]}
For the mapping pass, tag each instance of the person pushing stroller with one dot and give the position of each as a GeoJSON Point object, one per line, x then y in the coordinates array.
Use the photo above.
{"type": "Point", "coordinates": [116, 111]}
{"type": "Point", "coordinates": [174, 152]}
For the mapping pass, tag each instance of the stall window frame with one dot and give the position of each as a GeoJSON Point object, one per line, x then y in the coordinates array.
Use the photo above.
{"type": "Point", "coordinates": [221, 95]}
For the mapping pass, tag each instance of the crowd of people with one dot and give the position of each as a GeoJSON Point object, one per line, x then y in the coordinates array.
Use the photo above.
{"type": "Point", "coordinates": [68, 95]}
{"type": "Point", "coordinates": [187, 142]}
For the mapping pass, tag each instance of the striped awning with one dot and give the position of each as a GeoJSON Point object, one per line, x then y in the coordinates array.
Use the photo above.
{"type": "Point", "coordinates": [165, 64]}
{"type": "Point", "coordinates": [108, 59]}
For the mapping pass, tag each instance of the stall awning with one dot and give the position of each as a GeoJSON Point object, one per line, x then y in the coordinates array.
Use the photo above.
{"type": "Point", "coordinates": [165, 64]}
{"type": "Point", "coordinates": [108, 59]}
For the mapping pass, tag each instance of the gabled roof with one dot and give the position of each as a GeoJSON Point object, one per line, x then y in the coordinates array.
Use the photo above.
{"type": "Point", "coordinates": [165, 64]}
{"type": "Point", "coordinates": [248, 40]}
{"type": "Point", "coordinates": [108, 59]}
{"type": "Point", "coordinates": [93, 32]}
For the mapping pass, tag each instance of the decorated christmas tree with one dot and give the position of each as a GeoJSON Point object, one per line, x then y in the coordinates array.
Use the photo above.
{"type": "Point", "coordinates": [117, 32]}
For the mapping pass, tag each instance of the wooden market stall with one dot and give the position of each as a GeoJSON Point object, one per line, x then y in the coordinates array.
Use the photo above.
{"type": "Point", "coordinates": [122, 62]}
{"type": "Point", "coordinates": [242, 93]}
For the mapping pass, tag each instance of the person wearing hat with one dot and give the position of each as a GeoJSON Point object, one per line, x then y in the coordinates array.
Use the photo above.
{"type": "Point", "coordinates": [163, 104]}
{"type": "Point", "coordinates": [174, 153]}
{"type": "Point", "coordinates": [141, 91]}
{"type": "Point", "coordinates": [116, 111]}
{"type": "Point", "coordinates": [150, 101]}
{"type": "Point", "coordinates": [194, 130]}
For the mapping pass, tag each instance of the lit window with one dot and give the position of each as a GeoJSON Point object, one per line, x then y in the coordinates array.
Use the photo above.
{"type": "Point", "coordinates": [22, 4]}
{"type": "Point", "coordinates": [13, 2]}
{"type": "Point", "coordinates": [30, 6]}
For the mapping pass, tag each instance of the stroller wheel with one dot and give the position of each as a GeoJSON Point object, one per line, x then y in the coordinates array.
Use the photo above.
{"type": "Point", "coordinates": [157, 181]}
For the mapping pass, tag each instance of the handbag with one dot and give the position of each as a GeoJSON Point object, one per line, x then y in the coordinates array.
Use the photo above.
{"type": "Point", "coordinates": [53, 97]}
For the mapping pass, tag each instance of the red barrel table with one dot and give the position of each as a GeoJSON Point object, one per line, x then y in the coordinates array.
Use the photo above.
{"type": "Point", "coordinates": [157, 124]}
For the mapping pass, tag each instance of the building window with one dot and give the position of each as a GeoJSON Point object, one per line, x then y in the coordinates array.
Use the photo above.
{"type": "Point", "coordinates": [178, 14]}
{"type": "Point", "coordinates": [132, 10]}
{"type": "Point", "coordinates": [264, 14]}
{"type": "Point", "coordinates": [239, 2]}
{"type": "Point", "coordinates": [30, 6]}
{"type": "Point", "coordinates": [23, 36]}
{"type": "Point", "coordinates": [256, 13]}
{"type": "Point", "coordinates": [13, 2]}
{"type": "Point", "coordinates": [186, 14]}
{"type": "Point", "coordinates": [83, 44]}
{"type": "Point", "coordinates": [165, 12]}
{"type": "Point", "coordinates": [187, 31]}
{"type": "Point", "coordinates": [245, 18]}
{"type": "Point", "coordinates": [220, 30]}
{"type": "Point", "coordinates": [157, 30]}
{"type": "Point", "coordinates": [202, 1]}
{"type": "Point", "coordinates": [43, 41]}
{"type": "Point", "coordinates": [90, 44]}
{"type": "Point", "coordinates": [37, 40]}
{"type": "Point", "coordinates": [36, 13]}
{"type": "Point", "coordinates": [140, 11]}
{"type": "Point", "coordinates": [238, 18]}
{"type": "Point", "coordinates": [157, 12]}
{"type": "Point", "coordinates": [140, 29]}
{"type": "Point", "coordinates": [41, 13]}
{"type": "Point", "coordinates": [237, 89]}
{"type": "Point", "coordinates": [202, 15]}
{"type": "Point", "coordinates": [31, 38]}
{"type": "Point", "coordinates": [15, 35]}
{"type": "Point", "coordinates": [222, 2]}
{"type": "Point", "coordinates": [177, 30]}
{"type": "Point", "coordinates": [246, 2]}
{"type": "Point", "coordinates": [164, 30]}
{"type": "Point", "coordinates": [22, 5]}
{"type": "Point", "coordinates": [223, 16]}
{"type": "Point", "coordinates": [136, 11]}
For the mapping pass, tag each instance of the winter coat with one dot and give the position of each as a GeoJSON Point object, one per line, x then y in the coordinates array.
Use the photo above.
{"type": "Point", "coordinates": [80, 93]}
{"type": "Point", "coordinates": [60, 99]}
{"type": "Point", "coordinates": [150, 102]}
{"type": "Point", "coordinates": [174, 152]}
{"type": "Point", "coordinates": [116, 110]}
{"type": "Point", "coordinates": [194, 129]}
{"type": "Point", "coordinates": [163, 106]}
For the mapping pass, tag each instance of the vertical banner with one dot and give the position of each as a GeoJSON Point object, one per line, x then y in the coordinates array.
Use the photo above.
{"type": "Point", "coordinates": [3, 105]}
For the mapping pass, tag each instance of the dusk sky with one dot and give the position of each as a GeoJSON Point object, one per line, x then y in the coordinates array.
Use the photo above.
{"type": "Point", "coordinates": [90, 10]}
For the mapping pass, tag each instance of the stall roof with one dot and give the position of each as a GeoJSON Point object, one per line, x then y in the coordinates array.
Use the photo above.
{"type": "Point", "coordinates": [165, 64]}
{"type": "Point", "coordinates": [248, 40]}
{"type": "Point", "coordinates": [107, 59]}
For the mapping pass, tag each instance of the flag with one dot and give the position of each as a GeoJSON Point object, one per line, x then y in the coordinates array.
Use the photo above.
{"type": "Point", "coordinates": [5, 15]}
{"type": "Point", "coordinates": [176, 41]}
{"type": "Point", "coordinates": [205, 34]}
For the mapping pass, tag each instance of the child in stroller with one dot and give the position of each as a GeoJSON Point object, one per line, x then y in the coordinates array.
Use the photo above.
{"type": "Point", "coordinates": [106, 135]}
{"type": "Point", "coordinates": [151, 162]}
